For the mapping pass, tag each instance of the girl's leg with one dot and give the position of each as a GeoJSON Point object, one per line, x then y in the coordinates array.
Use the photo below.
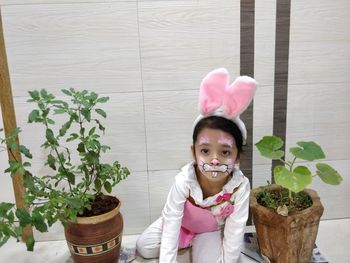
{"type": "Point", "coordinates": [206, 247]}
{"type": "Point", "coordinates": [148, 244]}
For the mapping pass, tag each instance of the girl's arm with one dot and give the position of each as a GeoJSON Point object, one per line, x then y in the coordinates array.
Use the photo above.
{"type": "Point", "coordinates": [235, 223]}
{"type": "Point", "coordinates": [172, 217]}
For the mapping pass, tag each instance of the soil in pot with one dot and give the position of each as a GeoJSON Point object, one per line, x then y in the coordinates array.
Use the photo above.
{"type": "Point", "coordinates": [102, 204]}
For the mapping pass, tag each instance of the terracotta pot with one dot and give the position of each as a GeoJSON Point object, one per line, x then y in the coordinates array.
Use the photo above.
{"type": "Point", "coordinates": [96, 239]}
{"type": "Point", "coordinates": [286, 239]}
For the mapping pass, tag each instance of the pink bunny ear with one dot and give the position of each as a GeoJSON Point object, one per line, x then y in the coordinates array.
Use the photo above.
{"type": "Point", "coordinates": [212, 90]}
{"type": "Point", "coordinates": [239, 95]}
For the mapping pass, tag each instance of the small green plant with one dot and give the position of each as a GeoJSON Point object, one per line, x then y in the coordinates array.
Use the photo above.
{"type": "Point", "coordinates": [73, 187]}
{"type": "Point", "coordinates": [291, 177]}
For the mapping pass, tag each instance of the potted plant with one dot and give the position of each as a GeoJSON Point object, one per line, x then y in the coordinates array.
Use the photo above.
{"type": "Point", "coordinates": [76, 192]}
{"type": "Point", "coordinates": [286, 215]}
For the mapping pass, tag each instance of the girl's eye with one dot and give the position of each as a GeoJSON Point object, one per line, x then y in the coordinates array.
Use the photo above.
{"type": "Point", "coordinates": [204, 151]}
{"type": "Point", "coordinates": [226, 153]}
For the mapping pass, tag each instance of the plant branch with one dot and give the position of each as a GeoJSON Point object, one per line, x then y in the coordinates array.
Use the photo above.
{"type": "Point", "coordinates": [58, 156]}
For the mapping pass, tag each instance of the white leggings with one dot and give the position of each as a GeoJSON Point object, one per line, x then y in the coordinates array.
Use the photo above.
{"type": "Point", "coordinates": [206, 247]}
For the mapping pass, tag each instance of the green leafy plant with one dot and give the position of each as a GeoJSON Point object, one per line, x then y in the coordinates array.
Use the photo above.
{"type": "Point", "coordinates": [73, 187]}
{"type": "Point", "coordinates": [291, 177]}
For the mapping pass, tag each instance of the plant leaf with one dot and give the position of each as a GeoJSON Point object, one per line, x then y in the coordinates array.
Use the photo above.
{"type": "Point", "coordinates": [34, 94]}
{"type": "Point", "coordinates": [92, 131]}
{"type": "Point", "coordinates": [25, 151]}
{"type": "Point", "coordinates": [51, 161]}
{"type": "Point", "coordinates": [38, 222]}
{"type": "Point", "coordinates": [86, 113]}
{"type": "Point", "coordinates": [72, 137]}
{"type": "Point", "coordinates": [101, 112]}
{"type": "Point", "coordinates": [296, 180]}
{"type": "Point", "coordinates": [98, 184]}
{"type": "Point", "coordinates": [50, 137]}
{"type": "Point", "coordinates": [107, 185]}
{"type": "Point", "coordinates": [308, 151]}
{"type": "Point", "coordinates": [64, 128]}
{"type": "Point", "coordinates": [23, 216]}
{"type": "Point", "coordinates": [30, 243]}
{"type": "Point", "coordinates": [4, 208]}
{"type": "Point", "coordinates": [81, 147]}
{"type": "Point", "coordinates": [102, 99]}
{"type": "Point", "coordinates": [328, 174]}
{"type": "Point", "coordinates": [33, 116]}
{"type": "Point", "coordinates": [269, 147]}
{"type": "Point", "coordinates": [71, 177]}
{"type": "Point", "coordinates": [67, 92]}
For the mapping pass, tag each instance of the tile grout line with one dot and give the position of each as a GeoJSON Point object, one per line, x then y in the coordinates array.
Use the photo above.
{"type": "Point", "coordinates": [144, 110]}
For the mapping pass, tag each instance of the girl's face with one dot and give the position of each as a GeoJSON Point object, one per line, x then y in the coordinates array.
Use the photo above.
{"type": "Point", "coordinates": [215, 152]}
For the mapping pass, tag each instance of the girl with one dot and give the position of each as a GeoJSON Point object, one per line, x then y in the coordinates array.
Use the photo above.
{"type": "Point", "coordinates": [207, 206]}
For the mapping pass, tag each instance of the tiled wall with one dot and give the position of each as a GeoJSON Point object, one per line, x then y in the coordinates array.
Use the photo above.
{"type": "Point", "coordinates": [149, 58]}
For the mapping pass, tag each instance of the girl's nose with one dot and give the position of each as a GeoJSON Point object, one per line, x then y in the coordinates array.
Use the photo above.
{"type": "Point", "coordinates": [214, 162]}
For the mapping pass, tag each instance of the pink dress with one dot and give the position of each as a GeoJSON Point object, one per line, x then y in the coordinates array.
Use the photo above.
{"type": "Point", "coordinates": [196, 220]}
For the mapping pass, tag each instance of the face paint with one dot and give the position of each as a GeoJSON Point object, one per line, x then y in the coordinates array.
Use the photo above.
{"type": "Point", "coordinates": [215, 153]}
{"type": "Point", "coordinates": [226, 140]}
{"type": "Point", "coordinates": [206, 168]}
{"type": "Point", "coordinates": [203, 140]}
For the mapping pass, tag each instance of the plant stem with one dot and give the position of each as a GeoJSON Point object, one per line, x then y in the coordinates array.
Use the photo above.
{"type": "Point", "coordinates": [292, 164]}
{"type": "Point", "coordinates": [284, 162]}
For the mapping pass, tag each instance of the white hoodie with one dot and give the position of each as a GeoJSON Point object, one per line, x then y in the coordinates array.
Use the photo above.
{"type": "Point", "coordinates": [186, 185]}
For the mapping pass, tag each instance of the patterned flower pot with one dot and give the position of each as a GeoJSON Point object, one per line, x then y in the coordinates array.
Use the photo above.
{"type": "Point", "coordinates": [96, 239]}
{"type": "Point", "coordinates": [286, 239]}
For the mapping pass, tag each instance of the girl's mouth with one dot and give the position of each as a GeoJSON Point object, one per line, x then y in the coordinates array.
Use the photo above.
{"type": "Point", "coordinates": [215, 168]}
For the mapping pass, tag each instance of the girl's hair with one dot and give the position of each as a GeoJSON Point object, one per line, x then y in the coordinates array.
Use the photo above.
{"type": "Point", "coordinates": [220, 123]}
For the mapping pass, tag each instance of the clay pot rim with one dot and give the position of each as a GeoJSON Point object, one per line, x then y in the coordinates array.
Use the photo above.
{"type": "Point", "coordinates": [99, 218]}
{"type": "Point", "coordinates": [316, 203]}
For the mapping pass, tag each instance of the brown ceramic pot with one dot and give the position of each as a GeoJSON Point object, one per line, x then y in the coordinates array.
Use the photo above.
{"type": "Point", "coordinates": [96, 239]}
{"type": "Point", "coordinates": [286, 239]}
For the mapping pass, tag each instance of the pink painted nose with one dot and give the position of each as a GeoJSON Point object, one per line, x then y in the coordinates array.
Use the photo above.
{"type": "Point", "coordinates": [215, 162]}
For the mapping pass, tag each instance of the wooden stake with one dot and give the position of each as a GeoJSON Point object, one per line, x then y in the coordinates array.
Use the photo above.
{"type": "Point", "coordinates": [9, 120]}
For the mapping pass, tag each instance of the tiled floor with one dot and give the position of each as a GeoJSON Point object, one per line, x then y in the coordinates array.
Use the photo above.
{"type": "Point", "coordinates": [333, 240]}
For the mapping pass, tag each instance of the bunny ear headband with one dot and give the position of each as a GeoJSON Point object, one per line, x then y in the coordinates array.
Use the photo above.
{"type": "Point", "coordinates": [218, 98]}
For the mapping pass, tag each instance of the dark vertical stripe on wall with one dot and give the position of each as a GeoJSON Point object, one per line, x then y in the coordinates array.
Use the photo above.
{"type": "Point", "coordinates": [281, 70]}
{"type": "Point", "coordinates": [247, 68]}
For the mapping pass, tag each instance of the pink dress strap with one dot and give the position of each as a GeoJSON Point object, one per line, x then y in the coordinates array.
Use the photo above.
{"type": "Point", "coordinates": [195, 220]}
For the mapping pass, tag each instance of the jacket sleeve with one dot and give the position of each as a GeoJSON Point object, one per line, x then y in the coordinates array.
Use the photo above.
{"type": "Point", "coordinates": [235, 224]}
{"type": "Point", "coordinates": [172, 217]}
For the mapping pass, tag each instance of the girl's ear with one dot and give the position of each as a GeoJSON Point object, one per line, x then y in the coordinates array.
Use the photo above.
{"type": "Point", "coordinates": [193, 153]}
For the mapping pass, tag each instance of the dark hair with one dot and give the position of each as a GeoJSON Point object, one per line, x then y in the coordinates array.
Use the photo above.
{"type": "Point", "coordinates": [220, 123]}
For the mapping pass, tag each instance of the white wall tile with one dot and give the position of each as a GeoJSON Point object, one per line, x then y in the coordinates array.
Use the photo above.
{"type": "Point", "coordinates": [85, 46]}
{"type": "Point", "coordinates": [261, 174]}
{"type": "Point", "coordinates": [133, 193]}
{"type": "Point", "coordinates": [183, 40]}
{"type": "Point", "coordinates": [319, 42]}
{"type": "Point", "coordinates": [30, 2]}
{"type": "Point", "coordinates": [263, 119]}
{"type": "Point", "coordinates": [320, 112]}
{"type": "Point", "coordinates": [169, 121]}
{"type": "Point", "coordinates": [264, 56]}
{"type": "Point", "coordinates": [160, 183]}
